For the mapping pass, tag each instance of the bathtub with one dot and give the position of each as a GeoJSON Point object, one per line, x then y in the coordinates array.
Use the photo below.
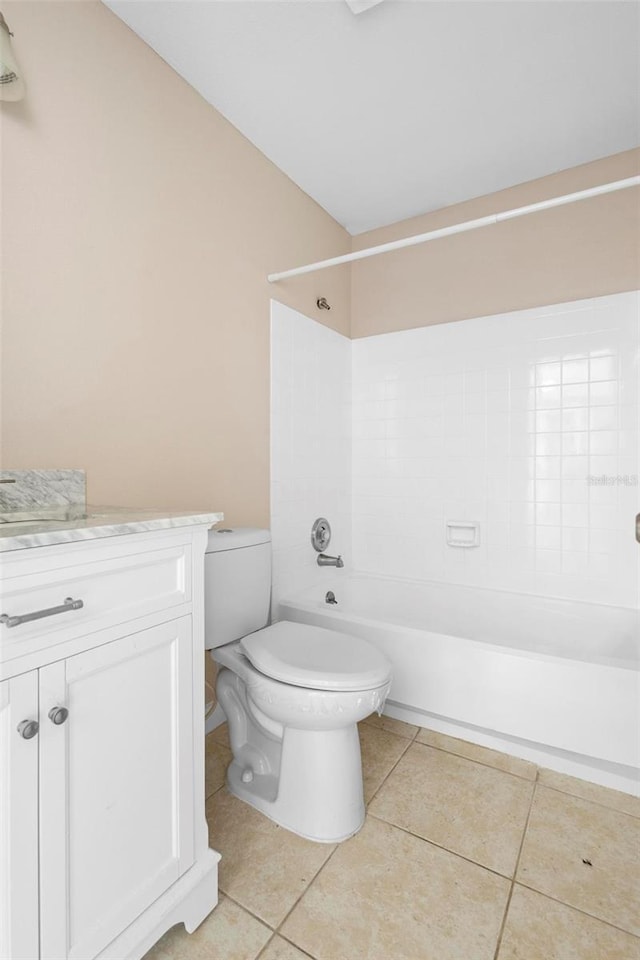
{"type": "Point", "coordinates": [553, 681]}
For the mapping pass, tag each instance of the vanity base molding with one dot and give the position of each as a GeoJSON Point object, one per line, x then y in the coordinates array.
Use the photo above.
{"type": "Point", "coordinates": [189, 901]}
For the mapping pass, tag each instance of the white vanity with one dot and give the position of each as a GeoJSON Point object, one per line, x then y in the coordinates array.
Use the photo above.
{"type": "Point", "coordinates": [103, 837]}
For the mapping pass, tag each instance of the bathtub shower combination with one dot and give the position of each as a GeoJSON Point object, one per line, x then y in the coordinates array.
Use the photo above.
{"type": "Point", "coordinates": [553, 681]}
{"type": "Point", "coordinates": [481, 480]}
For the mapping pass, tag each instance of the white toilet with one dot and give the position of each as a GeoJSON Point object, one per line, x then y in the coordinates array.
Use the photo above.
{"type": "Point", "coordinates": [292, 695]}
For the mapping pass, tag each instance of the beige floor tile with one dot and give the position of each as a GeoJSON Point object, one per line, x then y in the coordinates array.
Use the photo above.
{"type": "Point", "coordinates": [380, 752]}
{"type": "Point", "coordinates": [473, 810]}
{"type": "Point", "coordinates": [623, 802]}
{"type": "Point", "coordinates": [386, 895]}
{"type": "Point", "coordinates": [564, 831]}
{"type": "Point", "coordinates": [264, 867]}
{"type": "Point", "coordinates": [493, 758]}
{"type": "Point", "coordinates": [541, 929]}
{"type": "Point", "coordinates": [216, 760]}
{"type": "Point", "coordinates": [280, 949]}
{"type": "Point", "coordinates": [228, 933]}
{"type": "Point", "coordinates": [221, 735]}
{"type": "Point", "coordinates": [399, 727]}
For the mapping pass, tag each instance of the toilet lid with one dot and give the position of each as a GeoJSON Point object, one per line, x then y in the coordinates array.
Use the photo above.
{"type": "Point", "coordinates": [313, 657]}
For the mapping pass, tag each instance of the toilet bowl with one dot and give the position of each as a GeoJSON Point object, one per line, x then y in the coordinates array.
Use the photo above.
{"type": "Point", "coordinates": [296, 751]}
{"type": "Point", "coordinates": [293, 695]}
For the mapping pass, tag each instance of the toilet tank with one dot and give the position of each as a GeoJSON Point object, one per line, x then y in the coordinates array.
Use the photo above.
{"type": "Point", "coordinates": [237, 584]}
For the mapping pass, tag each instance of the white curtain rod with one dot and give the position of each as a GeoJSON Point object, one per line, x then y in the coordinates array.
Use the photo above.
{"type": "Point", "coordinates": [458, 228]}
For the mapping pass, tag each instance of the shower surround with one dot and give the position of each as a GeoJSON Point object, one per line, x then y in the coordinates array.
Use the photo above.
{"type": "Point", "coordinates": [310, 446]}
{"type": "Point", "coordinates": [525, 424]}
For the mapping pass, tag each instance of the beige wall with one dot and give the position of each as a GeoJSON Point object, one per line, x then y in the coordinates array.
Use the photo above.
{"type": "Point", "coordinates": [583, 250]}
{"type": "Point", "coordinates": [138, 227]}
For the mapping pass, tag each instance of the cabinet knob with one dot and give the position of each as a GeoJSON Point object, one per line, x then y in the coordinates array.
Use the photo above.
{"type": "Point", "coordinates": [58, 715]}
{"type": "Point", "coordinates": [28, 729]}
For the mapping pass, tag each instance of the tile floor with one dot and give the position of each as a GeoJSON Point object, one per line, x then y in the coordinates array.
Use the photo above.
{"type": "Point", "coordinates": [466, 854]}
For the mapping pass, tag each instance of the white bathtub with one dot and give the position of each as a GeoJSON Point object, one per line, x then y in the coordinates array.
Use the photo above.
{"type": "Point", "coordinates": [554, 681]}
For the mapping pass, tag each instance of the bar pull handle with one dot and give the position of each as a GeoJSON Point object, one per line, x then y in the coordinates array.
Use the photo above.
{"type": "Point", "coordinates": [66, 607]}
{"type": "Point", "coordinates": [638, 527]}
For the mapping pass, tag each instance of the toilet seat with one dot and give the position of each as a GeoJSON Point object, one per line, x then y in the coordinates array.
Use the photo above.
{"type": "Point", "coordinates": [316, 658]}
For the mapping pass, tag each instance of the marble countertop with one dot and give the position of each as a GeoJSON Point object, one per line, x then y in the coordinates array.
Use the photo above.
{"type": "Point", "coordinates": [97, 522]}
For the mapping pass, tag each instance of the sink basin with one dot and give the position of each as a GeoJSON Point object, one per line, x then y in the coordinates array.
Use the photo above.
{"type": "Point", "coordinates": [41, 516]}
{"type": "Point", "coordinates": [15, 520]}
{"type": "Point", "coordinates": [25, 523]}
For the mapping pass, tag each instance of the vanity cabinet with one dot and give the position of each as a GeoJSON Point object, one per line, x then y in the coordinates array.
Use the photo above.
{"type": "Point", "coordinates": [19, 910]}
{"type": "Point", "coordinates": [103, 838]}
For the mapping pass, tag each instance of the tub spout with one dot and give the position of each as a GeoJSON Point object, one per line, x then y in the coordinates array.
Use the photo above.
{"type": "Point", "coordinates": [325, 561]}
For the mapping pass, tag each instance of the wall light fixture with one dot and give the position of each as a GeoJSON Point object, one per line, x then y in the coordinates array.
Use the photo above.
{"type": "Point", "coordinates": [11, 82]}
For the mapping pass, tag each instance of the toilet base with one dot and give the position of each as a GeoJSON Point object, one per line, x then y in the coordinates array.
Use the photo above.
{"type": "Point", "coordinates": [296, 751]}
{"type": "Point", "coordinates": [319, 793]}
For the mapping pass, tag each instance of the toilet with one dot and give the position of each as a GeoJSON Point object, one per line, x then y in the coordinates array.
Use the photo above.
{"type": "Point", "coordinates": [292, 695]}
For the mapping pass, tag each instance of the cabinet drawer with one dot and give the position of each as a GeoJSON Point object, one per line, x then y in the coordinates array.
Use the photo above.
{"type": "Point", "coordinates": [114, 586]}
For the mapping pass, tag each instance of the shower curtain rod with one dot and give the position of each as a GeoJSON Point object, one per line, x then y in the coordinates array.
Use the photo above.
{"type": "Point", "coordinates": [457, 228]}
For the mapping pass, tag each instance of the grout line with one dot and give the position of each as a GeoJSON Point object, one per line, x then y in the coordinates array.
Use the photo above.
{"type": "Point", "coordinates": [598, 803]}
{"type": "Point", "coordinates": [482, 763]}
{"type": "Point", "coordinates": [570, 906]}
{"type": "Point", "coordinates": [307, 888]}
{"type": "Point", "coordinates": [212, 795]}
{"type": "Point", "coordinates": [248, 910]}
{"type": "Point", "coordinates": [287, 940]}
{"type": "Point", "coordinates": [262, 951]}
{"type": "Point", "coordinates": [401, 736]}
{"type": "Point", "coordinates": [504, 922]}
{"type": "Point", "coordinates": [338, 845]}
{"type": "Point", "coordinates": [439, 846]}
{"type": "Point", "coordinates": [305, 953]}
{"type": "Point", "coordinates": [255, 915]}
{"type": "Point", "coordinates": [515, 871]}
{"type": "Point", "coordinates": [386, 777]}
{"type": "Point", "coordinates": [526, 826]}
{"type": "Point", "coordinates": [278, 930]}
{"type": "Point", "coordinates": [520, 776]}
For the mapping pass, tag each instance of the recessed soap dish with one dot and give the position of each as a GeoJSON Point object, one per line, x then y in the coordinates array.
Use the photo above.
{"type": "Point", "coordinates": [463, 533]}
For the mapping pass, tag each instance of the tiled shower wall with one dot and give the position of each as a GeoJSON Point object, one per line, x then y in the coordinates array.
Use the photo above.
{"type": "Point", "coordinates": [527, 423]}
{"type": "Point", "coordinates": [310, 446]}
{"type": "Point", "coordinates": [524, 422]}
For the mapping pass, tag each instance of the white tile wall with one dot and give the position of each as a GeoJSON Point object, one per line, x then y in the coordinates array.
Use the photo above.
{"type": "Point", "coordinates": [498, 419]}
{"type": "Point", "coordinates": [502, 420]}
{"type": "Point", "coordinates": [310, 446]}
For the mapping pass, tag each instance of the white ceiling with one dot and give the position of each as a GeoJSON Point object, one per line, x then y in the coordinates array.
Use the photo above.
{"type": "Point", "coordinates": [413, 104]}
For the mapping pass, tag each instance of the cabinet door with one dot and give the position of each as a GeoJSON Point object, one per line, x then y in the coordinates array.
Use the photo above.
{"type": "Point", "coordinates": [19, 935]}
{"type": "Point", "coordinates": [116, 786]}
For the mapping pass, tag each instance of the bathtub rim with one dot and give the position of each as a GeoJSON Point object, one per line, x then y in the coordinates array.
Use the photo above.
{"type": "Point", "coordinates": [589, 764]}
{"type": "Point", "coordinates": [317, 606]}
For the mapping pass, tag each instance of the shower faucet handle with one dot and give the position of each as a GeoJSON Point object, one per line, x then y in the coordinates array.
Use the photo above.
{"type": "Point", "coordinates": [320, 534]}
